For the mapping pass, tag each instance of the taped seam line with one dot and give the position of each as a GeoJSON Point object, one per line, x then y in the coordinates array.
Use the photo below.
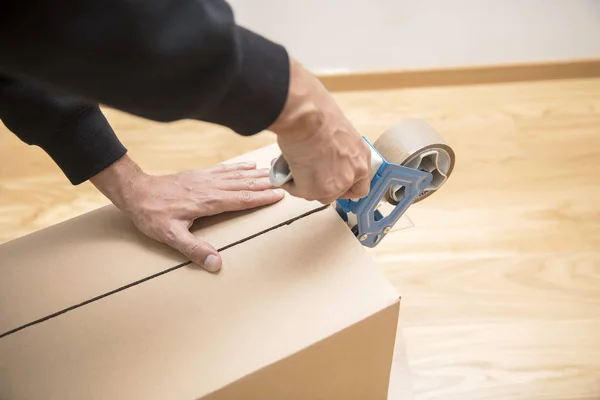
{"type": "Point", "coordinates": [166, 271]}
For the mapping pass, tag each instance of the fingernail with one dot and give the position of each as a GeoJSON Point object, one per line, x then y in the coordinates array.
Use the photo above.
{"type": "Point", "coordinates": [279, 192]}
{"type": "Point", "coordinates": [211, 263]}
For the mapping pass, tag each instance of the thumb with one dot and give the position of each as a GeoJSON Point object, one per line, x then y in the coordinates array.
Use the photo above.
{"type": "Point", "coordinates": [197, 251]}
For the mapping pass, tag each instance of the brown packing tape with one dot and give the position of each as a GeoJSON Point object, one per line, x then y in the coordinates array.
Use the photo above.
{"type": "Point", "coordinates": [415, 144]}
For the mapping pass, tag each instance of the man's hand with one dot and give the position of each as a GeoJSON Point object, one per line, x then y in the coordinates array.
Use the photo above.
{"type": "Point", "coordinates": [164, 207]}
{"type": "Point", "coordinates": [327, 157]}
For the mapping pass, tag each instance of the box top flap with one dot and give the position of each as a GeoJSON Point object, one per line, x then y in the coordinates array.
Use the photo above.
{"type": "Point", "coordinates": [95, 253]}
{"type": "Point", "coordinates": [188, 333]}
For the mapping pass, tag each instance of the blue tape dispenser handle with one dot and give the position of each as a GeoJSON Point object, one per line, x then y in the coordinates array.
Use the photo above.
{"type": "Point", "coordinates": [371, 225]}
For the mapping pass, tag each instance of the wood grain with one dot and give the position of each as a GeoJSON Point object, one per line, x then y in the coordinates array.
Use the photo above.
{"type": "Point", "coordinates": [500, 274]}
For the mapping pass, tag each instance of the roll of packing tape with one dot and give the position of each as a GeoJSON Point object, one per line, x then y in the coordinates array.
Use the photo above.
{"type": "Point", "coordinates": [415, 144]}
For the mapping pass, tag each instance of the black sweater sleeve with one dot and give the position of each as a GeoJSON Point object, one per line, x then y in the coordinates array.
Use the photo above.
{"type": "Point", "coordinates": [73, 132]}
{"type": "Point", "coordinates": [162, 59]}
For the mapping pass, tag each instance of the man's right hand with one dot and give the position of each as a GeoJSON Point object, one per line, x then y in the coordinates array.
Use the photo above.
{"type": "Point", "coordinates": [328, 158]}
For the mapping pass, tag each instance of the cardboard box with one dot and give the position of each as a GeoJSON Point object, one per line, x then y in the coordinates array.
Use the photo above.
{"type": "Point", "coordinates": [92, 309]}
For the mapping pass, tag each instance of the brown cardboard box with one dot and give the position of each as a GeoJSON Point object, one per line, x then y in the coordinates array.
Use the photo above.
{"type": "Point", "coordinates": [91, 309]}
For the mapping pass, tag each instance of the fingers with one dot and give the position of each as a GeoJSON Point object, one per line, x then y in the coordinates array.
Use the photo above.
{"type": "Point", "coordinates": [197, 251]}
{"type": "Point", "coordinates": [257, 179]}
{"type": "Point", "coordinates": [247, 199]}
{"type": "Point", "coordinates": [223, 168]}
{"type": "Point", "coordinates": [293, 191]}
{"type": "Point", "coordinates": [246, 184]}
{"type": "Point", "coordinates": [359, 190]}
{"type": "Point", "coordinates": [328, 191]}
{"type": "Point", "coordinates": [243, 174]}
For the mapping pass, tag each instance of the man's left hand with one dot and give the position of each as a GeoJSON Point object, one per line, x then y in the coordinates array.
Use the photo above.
{"type": "Point", "coordinates": [164, 207]}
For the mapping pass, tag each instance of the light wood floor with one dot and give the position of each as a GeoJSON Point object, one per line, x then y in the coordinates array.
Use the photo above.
{"type": "Point", "coordinates": [500, 274]}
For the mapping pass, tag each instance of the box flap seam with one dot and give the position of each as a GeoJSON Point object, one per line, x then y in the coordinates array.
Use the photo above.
{"type": "Point", "coordinates": [156, 275]}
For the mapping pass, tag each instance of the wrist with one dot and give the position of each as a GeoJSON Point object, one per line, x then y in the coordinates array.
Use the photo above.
{"type": "Point", "coordinates": [118, 180]}
{"type": "Point", "coordinates": [304, 112]}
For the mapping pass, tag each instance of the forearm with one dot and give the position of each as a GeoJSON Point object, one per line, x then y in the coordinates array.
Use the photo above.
{"type": "Point", "coordinates": [74, 133]}
{"type": "Point", "coordinates": [164, 60]}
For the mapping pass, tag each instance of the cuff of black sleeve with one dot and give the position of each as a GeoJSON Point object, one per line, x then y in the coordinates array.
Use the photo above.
{"type": "Point", "coordinates": [260, 91]}
{"type": "Point", "coordinates": [85, 146]}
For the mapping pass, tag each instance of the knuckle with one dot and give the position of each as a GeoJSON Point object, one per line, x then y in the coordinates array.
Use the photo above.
{"type": "Point", "coordinates": [250, 183]}
{"type": "Point", "coordinates": [341, 185]}
{"type": "Point", "coordinates": [362, 170]}
{"type": "Point", "coordinates": [209, 203]}
{"type": "Point", "coordinates": [245, 197]}
{"type": "Point", "coordinates": [329, 195]}
{"type": "Point", "coordinates": [325, 189]}
{"type": "Point", "coordinates": [191, 248]}
{"type": "Point", "coordinates": [348, 184]}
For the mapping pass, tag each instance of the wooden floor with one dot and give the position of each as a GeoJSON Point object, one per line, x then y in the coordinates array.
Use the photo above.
{"type": "Point", "coordinates": [500, 274]}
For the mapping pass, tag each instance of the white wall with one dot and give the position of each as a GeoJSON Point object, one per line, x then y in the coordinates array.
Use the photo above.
{"type": "Point", "coordinates": [341, 35]}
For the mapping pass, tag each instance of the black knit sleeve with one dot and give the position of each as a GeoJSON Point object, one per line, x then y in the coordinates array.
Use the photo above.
{"type": "Point", "coordinates": [73, 132]}
{"type": "Point", "coordinates": [164, 60]}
